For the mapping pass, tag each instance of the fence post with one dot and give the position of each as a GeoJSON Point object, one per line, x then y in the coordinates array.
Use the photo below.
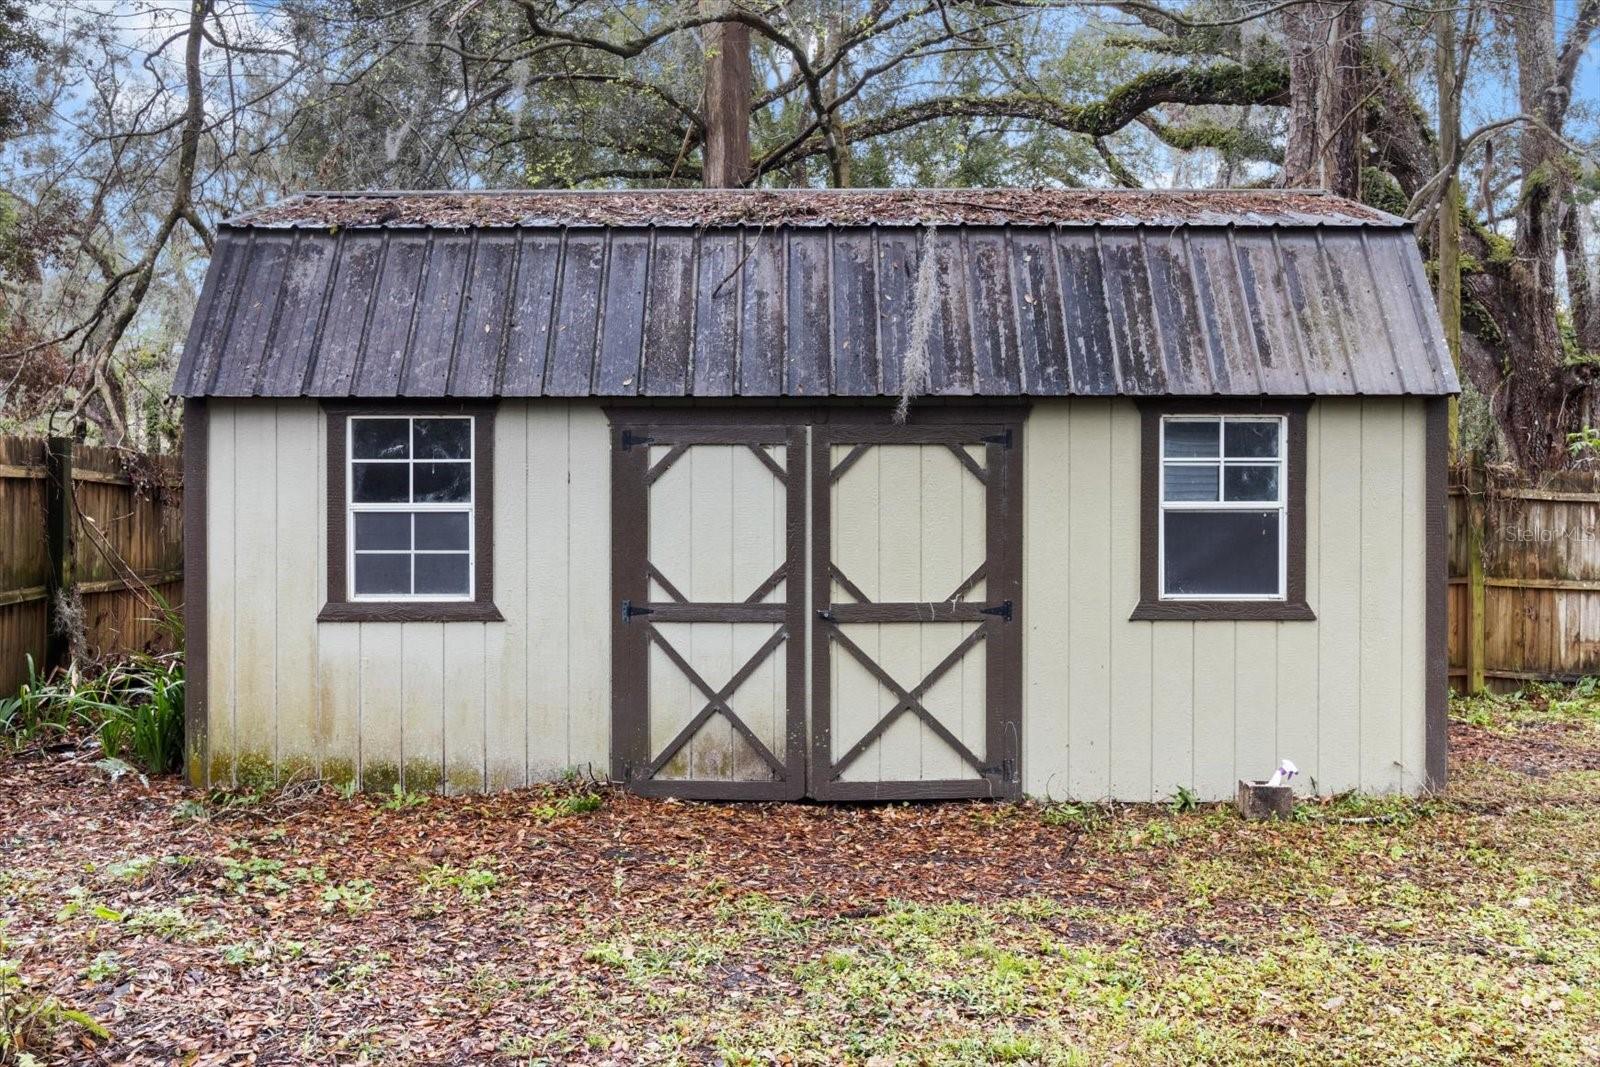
{"type": "Point", "coordinates": [1475, 578]}
{"type": "Point", "coordinates": [58, 546]}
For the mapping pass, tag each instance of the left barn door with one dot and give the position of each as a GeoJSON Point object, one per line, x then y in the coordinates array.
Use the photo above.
{"type": "Point", "coordinates": [708, 637]}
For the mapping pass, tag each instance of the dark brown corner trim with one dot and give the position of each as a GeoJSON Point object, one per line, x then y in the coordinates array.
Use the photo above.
{"type": "Point", "coordinates": [196, 445]}
{"type": "Point", "coordinates": [480, 608]}
{"type": "Point", "coordinates": [1436, 704]}
{"type": "Point", "coordinates": [1151, 607]}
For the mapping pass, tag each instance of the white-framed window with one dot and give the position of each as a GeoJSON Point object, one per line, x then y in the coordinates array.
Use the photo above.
{"type": "Point", "coordinates": [410, 507]}
{"type": "Point", "coordinates": [1223, 518]}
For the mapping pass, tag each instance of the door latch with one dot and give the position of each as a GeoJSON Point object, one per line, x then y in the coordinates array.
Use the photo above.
{"type": "Point", "coordinates": [629, 611]}
{"type": "Point", "coordinates": [1002, 610]}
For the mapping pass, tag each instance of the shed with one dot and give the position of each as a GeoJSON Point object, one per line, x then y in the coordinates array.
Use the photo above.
{"type": "Point", "coordinates": [486, 487]}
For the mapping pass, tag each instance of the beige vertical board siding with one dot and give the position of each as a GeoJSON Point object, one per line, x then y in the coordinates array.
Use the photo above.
{"type": "Point", "coordinates": [1088, 600]}
{"type": "Point", "coordinates": [711, 558]}
{"type": "Point", "coordinates": [299, 594]}
{"type": "Point", "coordinates": [543, 511]}
{"type": "Point", "coordinates": [758, 549]}
{"type": "Point", "coordinates": [339, 701]}
{"type": "Point", "coordinates": [588, 593]}
{"type": "Point", "coordinates": [1337, 557]}
{"type": "Point", "coordinates": [1383, 605]}
{"type": "Point", "coordinates": [1298, 647]}
{"type": "Point", "coordinates": [1132, 682]}
{"type": "Point", "coordinates": [858, 700]}
{"type": "Point", "coordinates": [382, 662]}
{"type": "Point", "coordinates": [422, 689]}
{"type": "Point", "coordinates": [442, 701]}
{"type": "Point", "coordinates": [1215, 649]}
{"type": "Point", "coordinates": [942, 539]}
{"type": "Point", "coordinates": [898, 513]}
{"type": "Point", "coordinates": [671, 548]}
{"type": "Point", "coordinates": [1342, 696]}
{"type": "Point", "coordinates": [465, 683]}
{"type": "Point", "coordinates": [258, 581]}
{"type": "Point", "coordinates": [1255, 695]}
{"type": "Point", "coordinates": [1047, 484]}
{"type": "Point", "coordinates": [222, 710]}
{"type": "Point", "coordinates": [1172, 703]}
{"type": "Point", "coordinates": [973, 668]}
{"type": "Point", "coordinates": [505, 648]}
{"type": "Point", "coordinates": [1413, 648]}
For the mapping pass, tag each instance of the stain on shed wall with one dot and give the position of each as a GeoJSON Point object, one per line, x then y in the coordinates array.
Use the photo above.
{"type": "Point", "coordinates": [456, 706]}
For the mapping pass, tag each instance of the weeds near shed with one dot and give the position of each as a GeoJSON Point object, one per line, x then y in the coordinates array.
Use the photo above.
{"type": "Point", "coordinates": [565, 805]}
{"type": "Point", "coordinates": [29, 1019]}
{"type": "Point", "coordinates": [133, 707]}
{"type": "Point", "coordinates": [473, 884]}
{"type": "Point", "coordinates": [401, 800]}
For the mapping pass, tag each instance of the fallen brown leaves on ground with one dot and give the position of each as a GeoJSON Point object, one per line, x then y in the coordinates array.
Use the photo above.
{"type": "Point", "coordinates": [296, 926]}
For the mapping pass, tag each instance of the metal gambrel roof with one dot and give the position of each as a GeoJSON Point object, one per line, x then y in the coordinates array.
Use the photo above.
{"type": "Point", "coordinates": [319, 298]}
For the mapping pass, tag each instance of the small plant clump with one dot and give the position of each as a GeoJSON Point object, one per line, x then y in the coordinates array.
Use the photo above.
{"type": "Point", "coordinates": [133, 707]}
{"type": "Point", "coordinates": [567, 804]}
{"type": "Point", "coordinates": [29, 1019]}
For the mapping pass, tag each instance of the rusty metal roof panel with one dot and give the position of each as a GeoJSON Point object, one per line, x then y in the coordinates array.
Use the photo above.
{"type": "Point", "coordinates": [815, 311]}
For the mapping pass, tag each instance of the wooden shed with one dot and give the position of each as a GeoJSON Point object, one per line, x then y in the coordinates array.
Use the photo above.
{"type": "Point", "coordinates": [486, 487]}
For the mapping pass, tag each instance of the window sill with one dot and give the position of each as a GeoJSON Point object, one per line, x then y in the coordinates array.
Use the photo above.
{"type": "Point", "coordinates": [1222, 611]}
{"type": "Point", "coordinates": [422, 611]}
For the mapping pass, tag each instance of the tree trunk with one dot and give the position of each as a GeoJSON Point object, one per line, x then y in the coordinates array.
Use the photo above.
{"type": "Point", "coordinates": [1536, 389]}
{"type": "Point", "coordinates": [728, 83]}
{"type": "Point", "coordinates": [1338, 116]}
{"type": "Point", "coordinates": [1449, 252]}
{"type": "Point", "coordinates": [1325, 90]}
{"type": "Point", "coordinates": [1583, 280]}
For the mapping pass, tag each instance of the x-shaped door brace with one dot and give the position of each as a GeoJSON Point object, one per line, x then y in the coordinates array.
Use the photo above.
{"type": "Point", "coordinates": [717, 701]}
{"type": "Point", "coordinates": [909, 700]}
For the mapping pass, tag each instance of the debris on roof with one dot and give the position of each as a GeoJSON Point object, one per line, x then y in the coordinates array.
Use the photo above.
{"type": "Point", "coordinates": [812, 311]}
{"type": "Point", "coordinates": [817, 207]}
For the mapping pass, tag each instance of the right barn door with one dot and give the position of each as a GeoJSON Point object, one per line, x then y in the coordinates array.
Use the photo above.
{"type": "Point", "coordinates": [916, 687]}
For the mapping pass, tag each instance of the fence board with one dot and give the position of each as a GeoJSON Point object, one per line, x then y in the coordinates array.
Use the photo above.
{"type": "Point", "coordinates": [1541, 579]}
{"type": "Point", "coordinates": [127, 550]}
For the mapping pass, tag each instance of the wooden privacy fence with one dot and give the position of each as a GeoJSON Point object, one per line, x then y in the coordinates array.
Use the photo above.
{"type": "Point", "coordinates": [102, 527]}
{"type": "Point", "coordinates": [1525, 606]}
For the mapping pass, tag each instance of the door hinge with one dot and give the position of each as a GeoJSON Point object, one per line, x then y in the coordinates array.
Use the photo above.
{"type": "Point", "coordinates": [629, 439]}
{"type": "Point", "coordinates": [1002, 609]}
{"type": "Point", "coordinates": [629, 611]}
{"type": "Point", "coordinates": [1001, 439]}
{"type": "Point", "coordinates": [1005, 770]}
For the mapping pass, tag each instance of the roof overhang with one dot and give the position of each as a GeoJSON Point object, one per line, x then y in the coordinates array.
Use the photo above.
{"type": "Point", "coordinates": [743, 294]}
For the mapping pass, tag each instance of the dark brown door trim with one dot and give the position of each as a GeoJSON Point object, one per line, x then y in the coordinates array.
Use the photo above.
{"type": "Point", "coordinates": [632, 629]}
{"type": "Point", "coordinates": [999, 618]}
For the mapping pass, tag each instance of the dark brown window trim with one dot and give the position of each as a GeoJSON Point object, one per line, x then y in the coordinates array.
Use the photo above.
{"type": "Point", "coordinates": [1151, 607]}
{"type": "Point", "coordinates": [480, 608]}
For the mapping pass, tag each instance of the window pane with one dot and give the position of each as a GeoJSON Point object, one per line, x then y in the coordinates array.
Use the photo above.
{"type": "Point", "coordinates": [438, 483]}
{"type": "Point", "coordinates": [1250, 439]}
{"type": "Point", "coordinates": [378, 438]}
{"type": "Point", "coordinates": [383, 529]}
{"type": "Point", "coordinates": [379, 483]}
{"type": "Point", "coordinates": [1250, 483]}
{"type": "Point", "coordinates": [1221, 552]}
{"type": "Point", "coordinates": [1186, 481]}
{"type": "Point", "coordinates": [384, 573]}
{"type": "Point", "coordinates": [442, 574]}
{"type": "Point", "coordinates": [443, 438]}
{"type": "Point", "coordinates": [1190, 438]}
{"type": "Point", "coordinates": [442, 531]}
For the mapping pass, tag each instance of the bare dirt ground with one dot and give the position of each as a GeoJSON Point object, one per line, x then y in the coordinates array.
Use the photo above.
{"type": "Point", "coordinates": [146, 923]}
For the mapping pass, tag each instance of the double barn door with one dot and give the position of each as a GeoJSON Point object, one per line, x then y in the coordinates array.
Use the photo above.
{"type": "Point", "coordinates": [826, 608]}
